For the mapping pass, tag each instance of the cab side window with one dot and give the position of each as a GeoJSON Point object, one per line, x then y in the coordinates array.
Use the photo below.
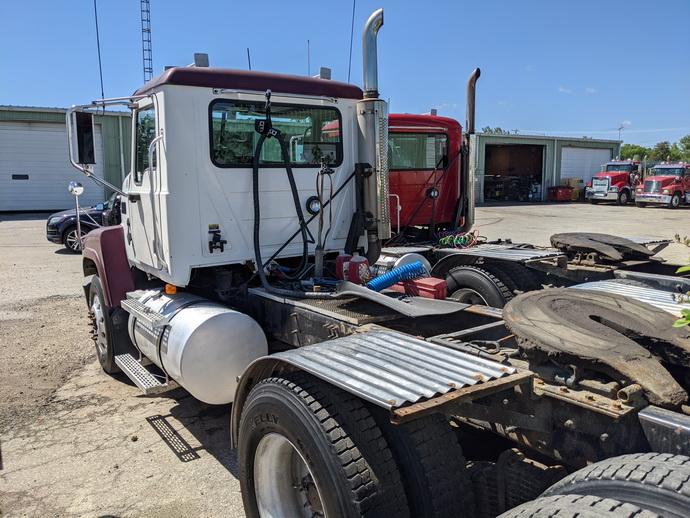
{"type": "Point", "coordinates": [145, 132]}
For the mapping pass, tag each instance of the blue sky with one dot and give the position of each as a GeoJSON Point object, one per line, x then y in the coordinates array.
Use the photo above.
{"type": "Point", "coordinates": [548, 66]}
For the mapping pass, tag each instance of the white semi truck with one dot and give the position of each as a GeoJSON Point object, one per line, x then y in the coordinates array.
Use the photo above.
{"type": "Point", "coordinates": [249, 196]}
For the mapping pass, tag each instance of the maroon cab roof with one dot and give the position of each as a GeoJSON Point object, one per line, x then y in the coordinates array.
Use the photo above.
{"type": "Point", "coordinates": [251, 80]}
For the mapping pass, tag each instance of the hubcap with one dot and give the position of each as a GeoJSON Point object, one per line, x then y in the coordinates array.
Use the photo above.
{"type": "Point", "coordinates": [98, 327]}
{"type": "Point", "coordinates": [284, 483]}
{"type": "Point", "coordinates": [72, 241]}
{"type": "Point", "coordinates": [468, 296]}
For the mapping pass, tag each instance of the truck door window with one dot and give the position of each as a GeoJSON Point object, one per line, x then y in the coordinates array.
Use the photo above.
{"type": "Point", "coordinates": [144, 134]}
{"type": "Point", "coordinates": [417, 151]}
{"type": "Point", "coordinates": [313, 134]}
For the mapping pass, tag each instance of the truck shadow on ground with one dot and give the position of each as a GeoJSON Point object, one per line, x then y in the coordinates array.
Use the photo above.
{"type": "Point", "coordinates": [209, 425]}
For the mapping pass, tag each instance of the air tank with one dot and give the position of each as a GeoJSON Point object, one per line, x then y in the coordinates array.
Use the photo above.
{"type": "Point", "coordinates": [204, 347]}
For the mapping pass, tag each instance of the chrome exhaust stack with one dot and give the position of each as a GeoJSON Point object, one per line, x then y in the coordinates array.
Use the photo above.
{"type": "Point", "coordinates": [465, 214]}
{"type": "Point", "coordinates": [372, 120]}
{"type": "Point", "coordinates": [370, 54]}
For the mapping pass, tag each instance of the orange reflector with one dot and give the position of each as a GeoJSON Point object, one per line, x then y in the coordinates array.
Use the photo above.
{"type": "Point", "coordinates": [170, 289]}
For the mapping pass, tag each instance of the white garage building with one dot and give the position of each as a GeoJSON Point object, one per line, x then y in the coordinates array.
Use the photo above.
{"type": "Point", "coordinates": [509, 164]}
{"type": "Point", "coordinates": [34, 163]}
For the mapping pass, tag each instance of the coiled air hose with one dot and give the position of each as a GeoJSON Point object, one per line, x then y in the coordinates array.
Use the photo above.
{"type": "Point", "coordinates": [401, 273]}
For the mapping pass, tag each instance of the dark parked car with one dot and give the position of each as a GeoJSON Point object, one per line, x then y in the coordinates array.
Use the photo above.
{"type": "Point", "coordinates": [61, 227]}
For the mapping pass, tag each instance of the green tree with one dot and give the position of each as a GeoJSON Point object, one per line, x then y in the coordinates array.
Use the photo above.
{"type": "Point", "coordinates": [684, 147]}
{"type": "Point", "coordinates": [666, 151]}
{"type": "Point", "coordinates": [634, 152]}
{"type": "Point", "coordinates": [495, 131]}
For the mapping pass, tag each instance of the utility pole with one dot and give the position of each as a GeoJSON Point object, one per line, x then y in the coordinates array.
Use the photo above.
{"type": "Point", "coordinates": [146, 48]}
{"type": "Point", "coordinates": [308, 59]}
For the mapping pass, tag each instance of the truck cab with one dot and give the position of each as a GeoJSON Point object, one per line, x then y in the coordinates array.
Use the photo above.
{"type": "Point", "coordinates": [616, 181]}
{"type": "Point", "coordinates": [424, 165]}
{"type": "Point", "coordinates": [668, 184]}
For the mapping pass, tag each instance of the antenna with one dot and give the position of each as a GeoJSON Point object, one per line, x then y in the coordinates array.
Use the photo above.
{"type": "Point", "coordinates": [98, 45]}
{"type": "Point", "coordinates": [249, 59]}
{"type": "Point", "coordinates": [352, 33]}
{"type": "Point", "coordinates": [146, 48]}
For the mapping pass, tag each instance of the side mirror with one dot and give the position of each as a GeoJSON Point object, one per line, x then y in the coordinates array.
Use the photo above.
{"type": "Point", "coordinates": [100, 206]}
{"type": "Point", "coordinates": [75, 188]}
{"type": "Point", "coordinates": [85, 138]}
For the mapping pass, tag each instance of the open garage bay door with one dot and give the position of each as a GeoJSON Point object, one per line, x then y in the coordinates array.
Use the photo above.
{"type": "Point", "coordinates": [582, 162]}
{"type": "Point", "coordinates": [35, 168]}
{"type": "Point", "coordinates": [513, 172]}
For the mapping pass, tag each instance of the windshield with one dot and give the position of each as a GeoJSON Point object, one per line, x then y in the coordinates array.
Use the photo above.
{"type": "Point", "coordinates": [416, 151]}
{"type": "Point", "coordinates": [619, 167]}
{"type": "Point", "coordinates": [668, 171]}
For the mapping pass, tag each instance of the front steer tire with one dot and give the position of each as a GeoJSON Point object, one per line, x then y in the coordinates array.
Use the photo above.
{"type": "Point", "coordinates": [658, 482]}
{"type": "Point", "coordinates": [337, 439]}
{"type": "Point", "coordinates": [102, 329]}
{"type": "Point", "coordinates": [577, 506]}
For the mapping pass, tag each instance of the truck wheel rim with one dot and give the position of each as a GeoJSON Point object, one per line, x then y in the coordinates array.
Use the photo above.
{"type": "Point", "coordinates": [72, 241]}
{"type": "Point", "coordinates": [468, 296]}
{"type": "Point", "coordinates": [294, 491]}
{"type": "Point", "coordinates": [99, 335]}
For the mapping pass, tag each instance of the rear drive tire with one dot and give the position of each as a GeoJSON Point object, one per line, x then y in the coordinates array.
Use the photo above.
{"type": "Point", "coordinates": [102, 331]}
{"type": "Point", "coordinates": [577, 506]}
{"type": "Point", "coordinates": [516, 274]}
{"type": "Point", "coordinates": [675, 201]}
{"type": "Point", "coordinates": [431, 464]}
{"type": "Point", "coordinates": [306, 446]}
{"type": "Point", "coordinates": [474, 285]}
{"type": "Point", "coordinates": [658, 482]}
{"type": "Point", "coordinates": [623, 197]}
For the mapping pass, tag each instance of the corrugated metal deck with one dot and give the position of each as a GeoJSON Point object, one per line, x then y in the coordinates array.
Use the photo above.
{"type": "Point", "coordinates": [506, 252]}
{"type": "Point", "coordinates": [392, 369]}
{"type": "Point", "coordinates": [661, 299]}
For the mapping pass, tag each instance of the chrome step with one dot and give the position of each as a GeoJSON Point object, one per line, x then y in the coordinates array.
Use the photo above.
{"type": "Point", "coordinates": [141, 376]}
{"type": "Point", "coordinates": [143, 314]}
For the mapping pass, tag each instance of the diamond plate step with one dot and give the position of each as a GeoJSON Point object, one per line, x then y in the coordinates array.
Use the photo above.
{"type": "Point", "coordinates": [141, 376]}
{"type": "Point", "coordinates": [143, 314]}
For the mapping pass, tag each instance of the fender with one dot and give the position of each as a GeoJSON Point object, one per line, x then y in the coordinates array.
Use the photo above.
{"type": "Point", "coordinates": [104, 255]}
{"type": "Point", "coordinates": [441, 268]}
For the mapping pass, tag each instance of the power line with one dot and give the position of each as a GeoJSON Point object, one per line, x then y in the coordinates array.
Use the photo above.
{"type": "Point", "coordinates": [98, 46]}
{"type": "Point", "coordinates": [352, 33]}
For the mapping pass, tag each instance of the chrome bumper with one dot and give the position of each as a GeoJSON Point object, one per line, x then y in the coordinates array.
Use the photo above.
{"type": "Point", "coordinates": [647, 197]}
{"type": "Point", "coordinates": [590, 194]}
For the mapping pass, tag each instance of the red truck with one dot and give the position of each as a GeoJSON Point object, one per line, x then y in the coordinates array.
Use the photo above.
{"type": "Point", "coordinates": [616, 181]}
{"type": "Point", "coordinates": [669, 184]}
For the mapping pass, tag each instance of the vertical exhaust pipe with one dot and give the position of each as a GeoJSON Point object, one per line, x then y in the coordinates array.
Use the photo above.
{"type": "Point", "coordinates": [370, 54]}
{"type": "Point", "coordinates": [372, 121]}
{"type": "Point", "coordinates": [465, 212]}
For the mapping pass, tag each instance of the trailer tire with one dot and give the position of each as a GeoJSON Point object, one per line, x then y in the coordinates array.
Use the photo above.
{"type": "Point", "coordinates": [577, 506]}
{"type": "Point", "coordinates": [431, 464]}
{"type": "Point", "coordinates": [658, 482]}
{"type": "Point", "coordinates": [102, 332]}
{"type": "Point", "coordinates": [474, 285]}
{"type": "Point", "coordinates": [323, 433]}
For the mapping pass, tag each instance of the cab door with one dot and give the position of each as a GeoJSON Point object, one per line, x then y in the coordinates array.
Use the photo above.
{"type": "Point", "coordinates": [141, 213]}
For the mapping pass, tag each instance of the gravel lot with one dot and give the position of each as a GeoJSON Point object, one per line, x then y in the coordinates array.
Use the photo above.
{"type": "Point", "coordinates": [75, 442]}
